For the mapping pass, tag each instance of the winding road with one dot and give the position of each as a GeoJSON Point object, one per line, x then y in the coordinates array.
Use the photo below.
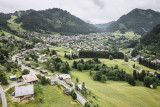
{"type": "Point", "coordinates": [3, 97]}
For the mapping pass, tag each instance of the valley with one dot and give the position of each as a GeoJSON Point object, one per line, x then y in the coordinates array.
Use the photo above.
{"type": "Point", "coordinates": [53, 58]}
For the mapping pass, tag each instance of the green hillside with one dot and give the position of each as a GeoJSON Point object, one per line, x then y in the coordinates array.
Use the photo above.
{"type": "Point", "coordinates": [151, 42]}
{"type": "Point", "coordinates": [54, 20]}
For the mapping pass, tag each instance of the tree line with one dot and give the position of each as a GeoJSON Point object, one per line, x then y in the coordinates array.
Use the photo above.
{"type": "Point", "coordinates": [149, 64]}
{"type": "Point", "coordinates": [100, 54]}
{"type": "Point", "coordinates": [56, 64]}
{"type": "Point", "coordinates": [101, 72]}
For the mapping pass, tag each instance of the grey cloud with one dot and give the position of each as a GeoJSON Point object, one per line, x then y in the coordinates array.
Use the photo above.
{"type": "Point", "coordinates": [99, 3]}
{"type": "Point", "coordinates": [94, 11]}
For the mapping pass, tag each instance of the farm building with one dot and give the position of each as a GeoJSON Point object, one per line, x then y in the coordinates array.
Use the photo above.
{"type": "Point", "coordinates": [65, 77]}
{"type": "Point", "coordinates": [30, 78]}
{"type": "Point", "coordinates": [24, 92]}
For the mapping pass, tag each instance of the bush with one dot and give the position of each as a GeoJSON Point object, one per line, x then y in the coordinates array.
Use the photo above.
{"type": "Point", "coordinates": [87, 104]}
{"type": "Point", "coordinates": [147, 81]}
{"type": "Point", "coordinates": [110, 57]}
{"type": "Point", "coordinates": [80, 66]}
{"type": "Point", "coordinates": [74, 95]}
{"type": "Point", "coordinates": [25, 71]}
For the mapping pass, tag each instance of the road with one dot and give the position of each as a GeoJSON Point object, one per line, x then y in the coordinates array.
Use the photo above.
{"type": "Point", "coordinates": [3, 96]}
{"type": "Point", "coordinates": [81, 99]}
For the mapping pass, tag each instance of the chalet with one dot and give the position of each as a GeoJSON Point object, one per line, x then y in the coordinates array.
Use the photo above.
{"type": "Point", "coordinates": [38, 68]}
{"type": "Point", "coordinates": [30, 78]}
{"type": "Point", "coordinates": [13, 77]}
{"type": "Point", "coordinates": [10, 61]}
{"type": "Point", "coordinates": [54, 56]}
{"type": "Point", "coordinates": [28, 64]}
{"type": "Point", "coordinates": [44, 71]}
{"type": "Point", "coordinates": [65, 77]}
{"type": "Point", "coordinates": [24, 92]}
{"type": "Point", "coordinates": [21, 58]}
{"type": "Point", "coordinates": [44, 56]}
{"type": "Point", "coordinates": [79, 87]}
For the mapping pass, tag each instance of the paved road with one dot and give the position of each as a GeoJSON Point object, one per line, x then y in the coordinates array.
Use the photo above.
{"type": "Point", "coordinates": [3, 96]}
{"type": "Point", "coordinates": [32, 71]}
{"type": "Point", "coordinates": [79, 97]}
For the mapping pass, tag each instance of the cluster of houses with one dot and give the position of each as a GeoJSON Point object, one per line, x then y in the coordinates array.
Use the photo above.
{"type": "Point", "coordinates": [27, 92]}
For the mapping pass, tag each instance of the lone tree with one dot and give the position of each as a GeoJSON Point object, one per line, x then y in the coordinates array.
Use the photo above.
{"type": "Point", "coordinates": [80, 66]}
{"type": "Point", "coordinates": [103, 79]}
{"type": "Point", "coordinates": [125, 58]}
{"type": "Point", "coordinates": [77, 79]}
{"type": "Point", "coordinates": [135, 74]}
{"type": "Point", "coordinates": [116, 67]}
{"type": "Point", "coordinates": [148, 81]}
{"type": "Point", "coordinates": [74, 96]}
{"type": "Point", "coordinates": [110, 57]}
{"type": "Point", "coordinates": [84, 90]}
{"type": "Point", "coordinates": [134, 65]}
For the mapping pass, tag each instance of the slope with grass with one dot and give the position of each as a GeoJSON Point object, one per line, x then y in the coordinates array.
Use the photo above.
{"type": "Point", "coordinates": [52, 97]}
{"type": "Point", "coordinates": [13, 25]}
{"type": "Point", "coordinates": [121, 94]}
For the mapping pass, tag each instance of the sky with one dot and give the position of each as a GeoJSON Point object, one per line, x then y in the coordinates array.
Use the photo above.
{"type": "Point", "coordinates": [92, 11]}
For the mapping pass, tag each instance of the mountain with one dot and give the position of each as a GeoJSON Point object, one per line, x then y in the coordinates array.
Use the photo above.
{"type": "Point", "coordinates": [149, 44]}
{"type": "Point", "coordinates": [138, 20]}
{"type": "Point", "coordinates": [105, 25]}
{"type": "Point", "coordinates": [54, 20]}
{"type": "Point", "coordinates": [151, 41]}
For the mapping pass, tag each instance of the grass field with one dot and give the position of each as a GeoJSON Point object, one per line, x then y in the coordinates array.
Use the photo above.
{"type": "Point", "coordinates": [110, 63]}
{"type": "Point", "coordinates": [13, 25]}
{"type": "Point", "coordinates": [53, 97]}
{"type": "Point", "coordinates": [115, 93]}
{"type": "Point", "coordinates": [109, 94]}
{"type": "Point", "coordinates": [121, 94]}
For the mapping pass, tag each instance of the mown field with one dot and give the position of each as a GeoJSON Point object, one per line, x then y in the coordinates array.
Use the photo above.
{"type": "Point", "coordinates": [121, 94]}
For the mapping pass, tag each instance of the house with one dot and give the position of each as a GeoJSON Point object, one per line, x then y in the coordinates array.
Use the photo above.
{"type": "Point", "coordinates": [10, 61]}
{"type": "Point", "coordinates": [13, 77]}
{"type": "Point", "coordinates": [54, 56]}
{"type": "Point", "coordinates": [44, 71]}
{"type": "Point", "coordinates": [24, 92]}
{"type": "Point", "coordinates": [30, 78]}
{"type": "Point", "coordinates": [65, 77]}
{"type": "Point", "coordinates": [54, 79]}
{"type": "Point", "coordinates": [38, 68]}
{"type": "Point", "coordinates": [28, 64]}
{"type": "Point", "coordinates": [80, 87]}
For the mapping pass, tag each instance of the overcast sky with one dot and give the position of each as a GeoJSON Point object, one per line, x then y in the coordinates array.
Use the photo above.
{"type": "Point", "coordinates": [93, 11]}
